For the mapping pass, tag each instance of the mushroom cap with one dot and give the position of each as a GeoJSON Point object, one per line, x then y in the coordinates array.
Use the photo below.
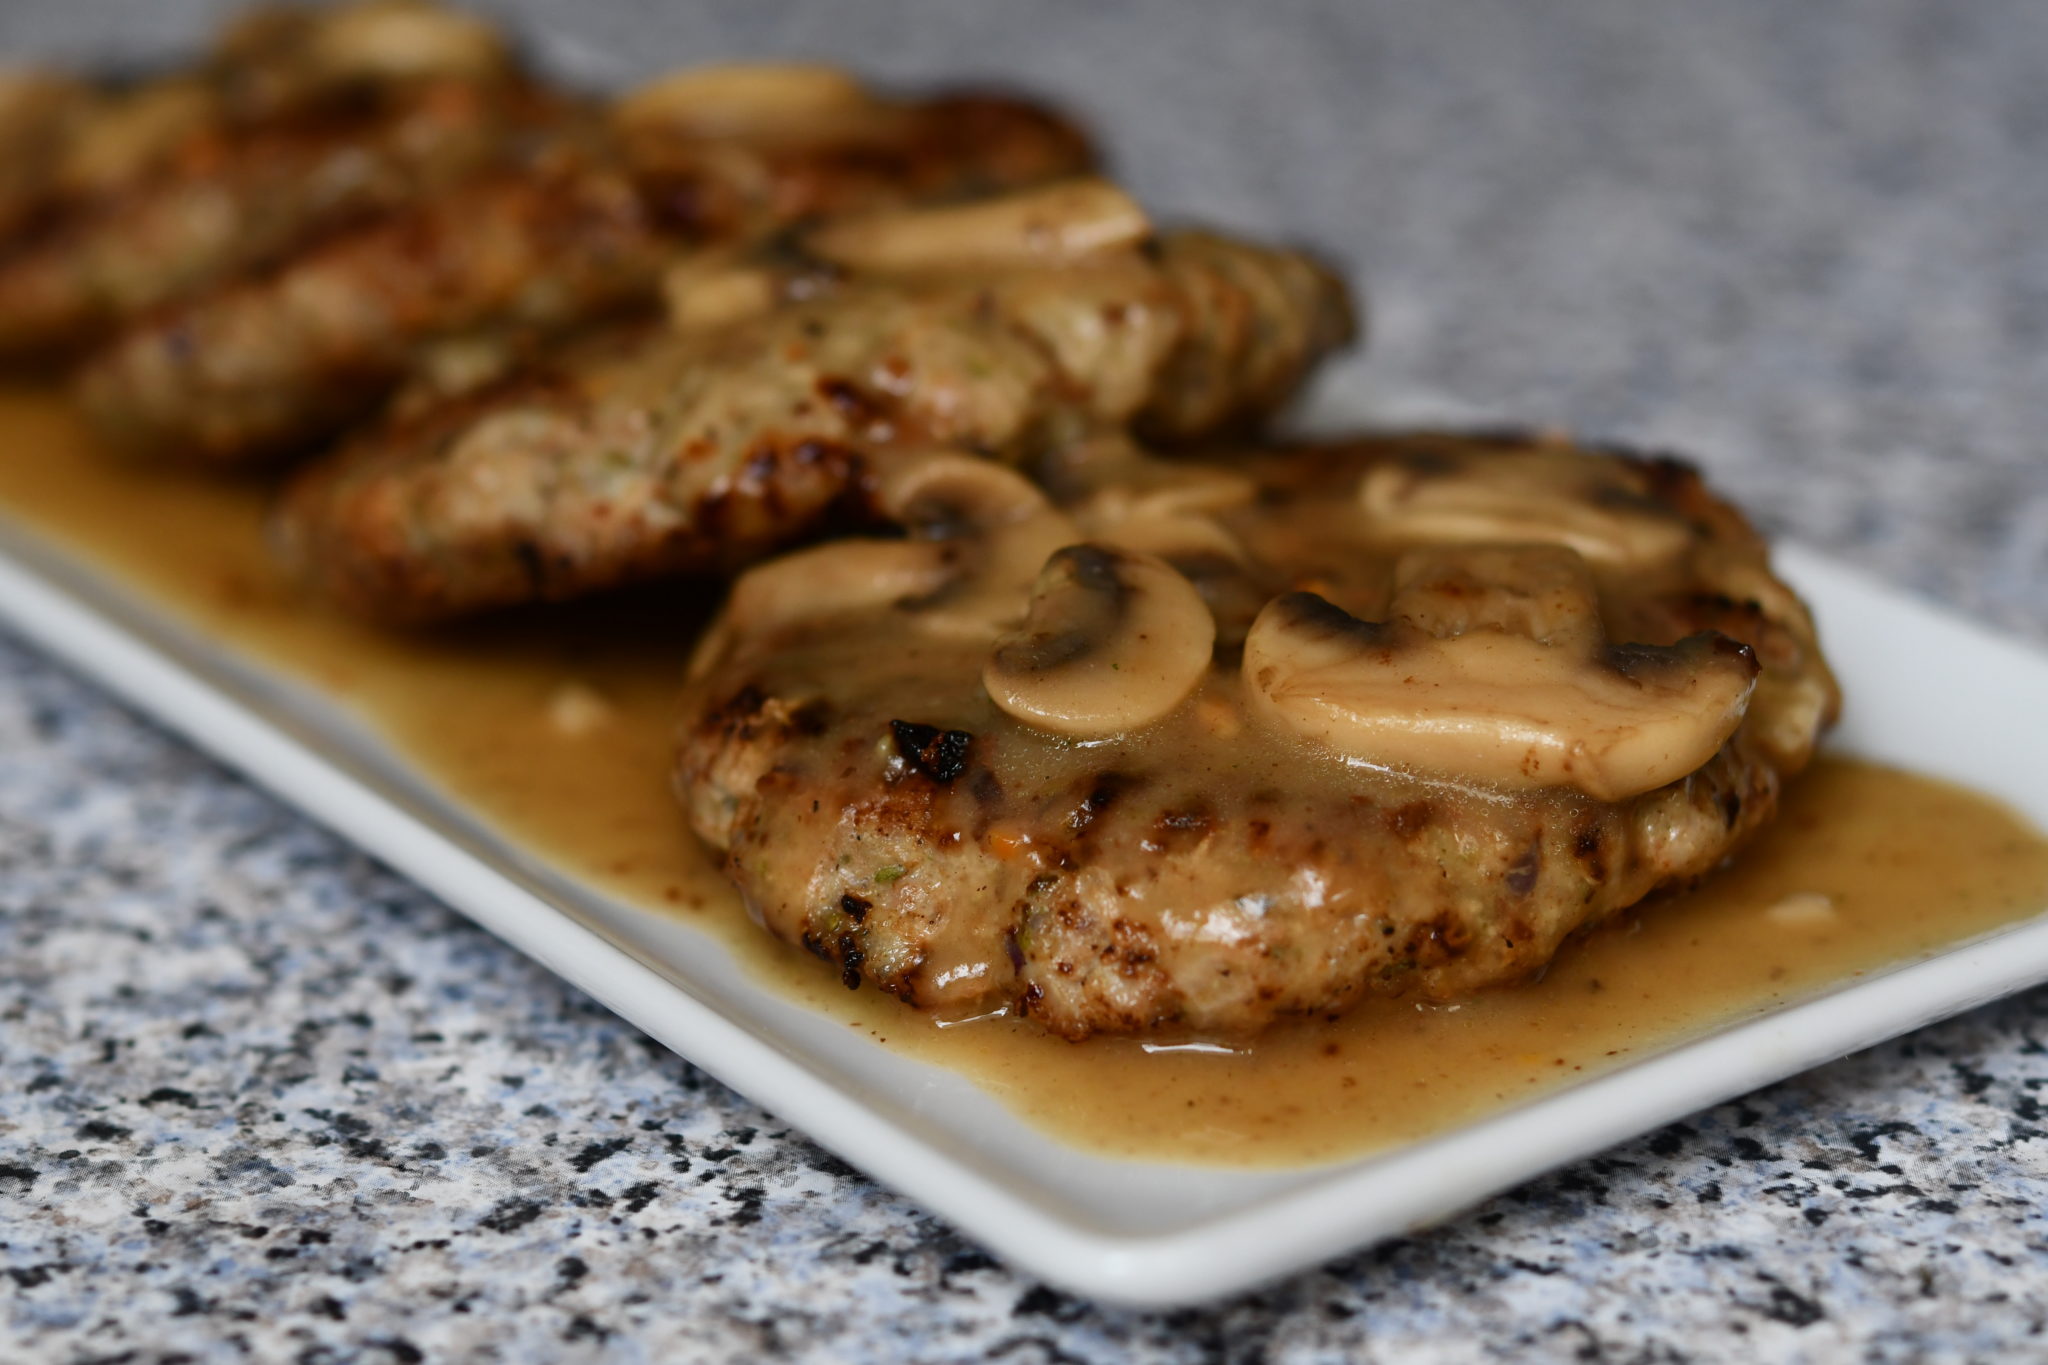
{"type": "Point", "coordinates": [997, 529]}
{"type": "Point", "coordinates": [1177, 538]}
{"type": "Point", "coordinates": [407, 38]}
{"type": "Point", "coordinates": [743, 100]}
{"type": "Point", "coordinates": [1172, 517]}
{"type": "Point", "coordinates": [1598, 505]}
{"type": "Point", "coordinates": [950, 494]}
{"type": "Point", "coordinates": [1494, 667]}
{"type": "Point", "coordinates": [1038, 228]}
{"type": "Point", "coordinates": [719, 287]}
{"type": "Point", "coordinates": [1495, 708]}
{"type": "Point", "coordinates": [1114, 641]}
{"type": "Point", "coordinates": [821, 583]}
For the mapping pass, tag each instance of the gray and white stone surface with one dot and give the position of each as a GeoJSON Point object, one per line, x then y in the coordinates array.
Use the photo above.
{"type": "Point", "coordinates": [262, 1100]}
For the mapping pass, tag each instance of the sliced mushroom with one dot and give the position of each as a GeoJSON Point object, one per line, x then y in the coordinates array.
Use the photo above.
{"type": "Point", "coordinates": [945, 494]}
{"type": "Point", "coordinates": [1169, 512]}
{"type": "Point", "coordinates": [1589, 503]}
{"type": "Point", "coordinates": [1114, 641]}
{"type": "Point", "coordinates": [744, 101]}
{"type": "Point", "coordinates": [1183, 540]}
{"type": "Point", "coordinates": [1154, 488]}
{"type": "Point", "coordinates": [1538, 591]}
{"type": "Point", "coordinates": [1046, 227]}
{"type": "Point", "coordinates": [820, 584]}
{"type": "Point", "coordinates": [978, 532]}
{"type": "Point", "coordinates": [1493, 670]}
{"type": "Point", "coordinates": [709, 290]}
{"type": "Point", "coordinates": [384, 39]}
{"type": "Point", "coordinates": [998, 528]}
{"type": "Point", "coordinates": [1797, 697]}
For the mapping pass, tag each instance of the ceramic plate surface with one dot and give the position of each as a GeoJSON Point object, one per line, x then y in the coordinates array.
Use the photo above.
{"type": "Point", "coordinates": [1930, 692]}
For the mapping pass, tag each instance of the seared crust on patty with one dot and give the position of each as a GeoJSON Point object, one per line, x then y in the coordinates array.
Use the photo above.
{"type": "Point", "coordinates": [269, 364]}
{"type": "Point", "coordinates": [720, 184]}
{"type": "Point", "coordinates": [237, 198]}
{"type": "Point", "coordinates": [653, 451]}
{"type": "Point", "coordinates": [67, 142]}
{"type": "Point", "coordinates": [39, 112]}
{"type": "Point", "coordinates": [855, 742]}
{"type": "Point", "coordinates": [274, 362]}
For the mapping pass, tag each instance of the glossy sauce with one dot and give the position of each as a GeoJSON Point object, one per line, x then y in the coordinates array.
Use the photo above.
{"type": "Point", "coordinates": [1174, 799]}
{"type": "Point", "coordinates": [554, 726]}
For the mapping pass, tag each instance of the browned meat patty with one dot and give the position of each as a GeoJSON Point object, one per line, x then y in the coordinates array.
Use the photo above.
{"type": "Point", "coordinates": [273, 363]}
{"type": "Point", "coordinates": [738, 151]}
{"type": "Point", "coordinates": [279, 57]}
{"type": "Point", "coordinates": [236, 198]}
{"type": "Point", "coordinates": [710, 442]}
{"type": "Point", "coordinates": [67, 141]}
{"type": "Point", "coordinates": [1203, 746]}
{"type": "Point", "coordinates": [39, 111]}
{"type": "Point", "coordinates": [267, 365]}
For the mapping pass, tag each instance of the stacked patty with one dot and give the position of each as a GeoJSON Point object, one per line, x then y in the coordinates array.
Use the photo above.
{"type": "Point", "coordinates": [755, 415]}
{"type": "Point", "coordinates": [1079, 697]}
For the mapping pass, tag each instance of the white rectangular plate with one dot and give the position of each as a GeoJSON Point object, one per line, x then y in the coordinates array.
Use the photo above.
{"type": "Point", "coordinates": [1929, 692]}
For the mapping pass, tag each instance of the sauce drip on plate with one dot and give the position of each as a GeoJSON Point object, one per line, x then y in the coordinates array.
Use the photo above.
{"type": "Point", "coordinates": [554, 727]}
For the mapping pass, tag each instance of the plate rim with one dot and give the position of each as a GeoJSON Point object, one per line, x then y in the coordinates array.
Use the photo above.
{"type": "Point", "coordinates": [47, 597]}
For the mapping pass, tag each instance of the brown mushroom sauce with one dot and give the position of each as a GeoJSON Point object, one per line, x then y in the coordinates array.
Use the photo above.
{"type": "Point", "coordinates": [1212, 856]}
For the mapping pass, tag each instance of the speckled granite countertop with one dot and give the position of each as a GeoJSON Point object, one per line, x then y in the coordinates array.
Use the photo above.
{"type": "Point", "coordinates": [260, 1100]}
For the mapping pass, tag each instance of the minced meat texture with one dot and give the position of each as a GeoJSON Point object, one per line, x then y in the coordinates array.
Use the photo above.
{"type": "Point", "coordinates": [1208, 872]}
